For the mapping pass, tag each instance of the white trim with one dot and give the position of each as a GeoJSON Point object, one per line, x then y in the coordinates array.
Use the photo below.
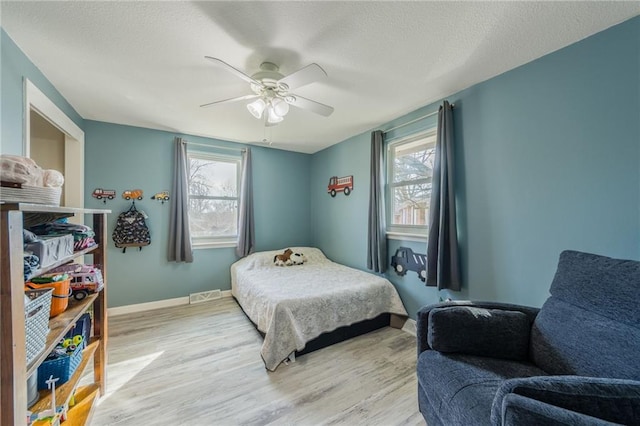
{"type": "Point", "coordinates": [222, 240]}
{"type": "Point", "coordinates": [36, 100]}
{"type": "Point", "coordinates": [211, 244]}
{"type": "Point", "coordinates": [406, 237]}
{"type": "Point", "coordinates": [141, 307]}
{"type": "Point", "coordinates": [158, 304]}
{"type": "Point", "coordinates": [410, 326]}
{"type": "Point", "coordinates": [74, 172]}
{"type": "Point", "coordinates": [394, 230]}
{"type": "Point", "coordinates": [419, 134]}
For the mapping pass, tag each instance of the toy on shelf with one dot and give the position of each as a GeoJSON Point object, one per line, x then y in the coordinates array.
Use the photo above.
{"type": "Point", "coordinates": [50, 416]}
{"type": "Point", "coordinates": [85, 279]}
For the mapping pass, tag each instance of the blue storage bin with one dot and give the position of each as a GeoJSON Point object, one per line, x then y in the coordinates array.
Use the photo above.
{"type": "Point", "coordinates": [62, 368]}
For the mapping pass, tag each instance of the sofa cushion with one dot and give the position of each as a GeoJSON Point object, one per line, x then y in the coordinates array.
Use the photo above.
{"type": "Point", "coordinates": [590, 325]}
{"type": "Point", "coordinates": [461, 388]}
{"type": "Point", "coordinates": [469, 330]}
{"type": "Point", "coordinates": [600, 284]}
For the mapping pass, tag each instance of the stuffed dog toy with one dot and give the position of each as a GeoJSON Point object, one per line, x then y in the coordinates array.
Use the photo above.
{"type": "Point", "coordinates": [298, 258]}
{"type": "Point", "coordinates": [284, 258]}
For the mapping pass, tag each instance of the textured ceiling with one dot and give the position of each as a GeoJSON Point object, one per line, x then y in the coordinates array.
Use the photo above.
{"type": "Point", "coordinates": [142, 63]}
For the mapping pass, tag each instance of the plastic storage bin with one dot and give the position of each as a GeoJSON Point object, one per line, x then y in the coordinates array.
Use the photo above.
{"type": "Point", "coordinates": [36, 315]}
{"type": "Point", "coordinates": [32, 389]}
{"type": "Point", "coordinates": [51, 249]}
{"type": "Point", "coordinates": [61, 368]}
{"type": "Point", "coordinates": [59, 297]}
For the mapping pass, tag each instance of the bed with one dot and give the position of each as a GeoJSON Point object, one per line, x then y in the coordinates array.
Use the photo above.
{"type": "Point", "coordinates": [294, 305]}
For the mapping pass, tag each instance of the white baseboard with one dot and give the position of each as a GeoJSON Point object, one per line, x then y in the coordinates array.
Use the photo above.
{"type": "Point", "coordinates": [141, 307]}
{"type": "Point", "coordinates": [410, 326]}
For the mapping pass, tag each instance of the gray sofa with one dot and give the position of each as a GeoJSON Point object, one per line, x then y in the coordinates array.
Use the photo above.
{"type": "Point", "coordinates": [575, 361]}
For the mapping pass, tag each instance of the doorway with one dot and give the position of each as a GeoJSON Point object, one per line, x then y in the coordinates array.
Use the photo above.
{"type": "Point", "coordinates": [54, 141]}
{"type": "Point", "coordinates": [47, 146]}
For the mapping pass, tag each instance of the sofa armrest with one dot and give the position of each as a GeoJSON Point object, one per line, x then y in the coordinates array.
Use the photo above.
{"type": "Point", "coordinates": [518, 410]}
{"type": "Point", "coordinates": [494, 333]}
{"type": "Point", "coordinates": [422, 318]}
{"type": "Point", "coordinates": [610, 400]}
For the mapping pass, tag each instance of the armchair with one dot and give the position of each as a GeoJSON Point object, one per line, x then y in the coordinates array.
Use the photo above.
{"type": "Point", "coordinates": [573, 361]}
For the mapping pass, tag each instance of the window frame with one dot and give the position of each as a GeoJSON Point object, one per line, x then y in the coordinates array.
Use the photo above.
{"type": "Point", "coordinates": [222, 240]}
{"type": "Point", "coordinates": [397, 231]}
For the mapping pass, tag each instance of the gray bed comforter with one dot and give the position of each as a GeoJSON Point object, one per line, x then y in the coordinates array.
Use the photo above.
{"type": "Point", "coordinates": [292, 305]}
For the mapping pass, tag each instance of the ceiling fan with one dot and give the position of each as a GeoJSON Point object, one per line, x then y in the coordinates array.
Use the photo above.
{"type": "Point", "coordinates": [271, 91]}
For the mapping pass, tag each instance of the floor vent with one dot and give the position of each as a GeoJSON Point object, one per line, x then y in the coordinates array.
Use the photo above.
{"type": "Point", "coordinates": [204, 296]}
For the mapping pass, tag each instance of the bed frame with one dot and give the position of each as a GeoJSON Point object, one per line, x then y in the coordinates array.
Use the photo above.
{"type": "Point", "coordinates": [339, 334]}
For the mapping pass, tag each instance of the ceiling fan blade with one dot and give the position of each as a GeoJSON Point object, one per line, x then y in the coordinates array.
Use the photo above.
{"type": "Point", "coordinates": [233, 70]}
{"type": "Point", "coordinates": [306, 75]}
{"type": "Point", "coordinates": [313, 106]}
{"type": "Point", "coordinates": [239, 98]}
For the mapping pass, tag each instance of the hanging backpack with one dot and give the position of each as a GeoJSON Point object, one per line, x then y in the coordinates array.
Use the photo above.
{"type": "Point", "coordinates": [131, 230]}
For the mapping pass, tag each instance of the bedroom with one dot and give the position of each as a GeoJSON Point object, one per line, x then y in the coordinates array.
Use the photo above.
{"type": "Point", "coordinates": [549, 160]}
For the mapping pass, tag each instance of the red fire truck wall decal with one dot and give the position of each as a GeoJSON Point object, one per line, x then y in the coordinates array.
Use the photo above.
{"type": "Point", "coordinates": [340, 184]}
{"type": "Point", "coordinates": [103, 194]}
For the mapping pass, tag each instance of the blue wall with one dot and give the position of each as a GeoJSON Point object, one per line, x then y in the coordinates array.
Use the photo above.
{"type": "Point", "coordinates": [548, 159]}
{"type": "Point", "coordinates": [120, 157]}
{"type": "Point", "coordinates": [339, 224]}
{"type": "Point", "coordinates": [14, 67]}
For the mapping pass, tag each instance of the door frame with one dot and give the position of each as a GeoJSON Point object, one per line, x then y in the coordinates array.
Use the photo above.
{"type": "Point", "coordinates": [36, 100]}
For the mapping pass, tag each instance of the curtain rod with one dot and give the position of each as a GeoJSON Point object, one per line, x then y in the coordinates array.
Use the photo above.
{"type": "Point", "coordinates": [414, 120]}
{"type": "Point", "coordinates": [214, 146]}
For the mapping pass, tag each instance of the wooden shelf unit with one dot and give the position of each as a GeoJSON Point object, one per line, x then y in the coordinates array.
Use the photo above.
{"type": "Point", "coordinates": [65, 391]}
{"type": "Point", "coordinates": [14, 370]}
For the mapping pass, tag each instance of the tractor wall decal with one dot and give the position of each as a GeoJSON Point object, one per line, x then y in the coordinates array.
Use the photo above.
{"type": "Point", "coordinates": [406, 260]}
{"type": "Point", "coordinates": [161, 196]}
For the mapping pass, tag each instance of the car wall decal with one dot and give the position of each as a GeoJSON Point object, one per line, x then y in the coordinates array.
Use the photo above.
{"type": "Point", "coordinates": [406, 260]}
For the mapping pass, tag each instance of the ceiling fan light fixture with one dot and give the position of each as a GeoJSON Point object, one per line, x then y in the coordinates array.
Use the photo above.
{"type": "Point", "coordinates": [273, 117]}
{"type": "Point", "coordinates": [271, 96]}
{"type": "Point", "coordinates": [256, 108]}
{"type": "Point", "coordinates": [280, 107]}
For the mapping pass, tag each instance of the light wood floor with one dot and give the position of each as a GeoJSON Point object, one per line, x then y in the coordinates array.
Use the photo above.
{"type": "Point", "coordinates": [200, 365]}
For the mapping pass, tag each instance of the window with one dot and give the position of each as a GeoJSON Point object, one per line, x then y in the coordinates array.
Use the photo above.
{"type": "Point", "coordinates": [214, 182]}
{"type": "Point", "coordinates": [410, 170]}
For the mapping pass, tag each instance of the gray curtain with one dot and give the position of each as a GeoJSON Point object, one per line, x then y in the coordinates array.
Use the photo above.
{"type": "Point", "coordinates": [180, 249]}
{"type": "Point", "coordinates": [443, 268]}
{"type": "Point", "coordinates": [377, 241]}
{"type": "Point", "coordinates": [246, 228]}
